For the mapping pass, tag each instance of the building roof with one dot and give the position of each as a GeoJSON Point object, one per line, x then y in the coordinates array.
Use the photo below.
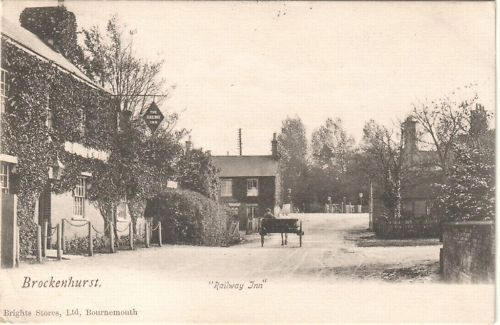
{"type": "Point", "coordinates": [29, 41]}
{"type": "Point", "coordinates": [246, 166]}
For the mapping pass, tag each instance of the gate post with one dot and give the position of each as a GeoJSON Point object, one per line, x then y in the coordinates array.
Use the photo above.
{"type": "Point", "coordinates": [159, 233]}
{"type": "Point", "coordinates": [39, 244]}
{"type": "Point", "coordinates": [58, 232]}
{"type": "Point", "coordinates": [146, 228]}
{"type": "Point", "coordinates": [131, 235]}
{"type": "Point", "coordinates": [62, 236]}
{"type": "Point", "coordinates": [91, 243]}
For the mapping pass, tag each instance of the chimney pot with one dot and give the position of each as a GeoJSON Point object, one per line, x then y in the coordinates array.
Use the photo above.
{"type": "Point", "coordinates": [274, 147]}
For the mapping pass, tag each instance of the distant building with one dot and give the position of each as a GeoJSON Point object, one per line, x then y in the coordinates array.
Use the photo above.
{"type": "Point", "coordinates": [418, 195]}
{"type": "Point", "coordinates": [250, 184]}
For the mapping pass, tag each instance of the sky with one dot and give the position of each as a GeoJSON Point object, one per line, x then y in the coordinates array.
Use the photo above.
{"type": "Point", "coordinates": [249, 65]}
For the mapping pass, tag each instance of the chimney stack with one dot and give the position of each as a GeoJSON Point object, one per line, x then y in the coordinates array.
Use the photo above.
{"type": "Point", "coordinates": [189, 144]}
{"type": "Point", "coordinates": [56, 27]}
{"type": "Point", "coordinates": [409, 133]}
{"type": "Point", "coordinates": [274, 147]}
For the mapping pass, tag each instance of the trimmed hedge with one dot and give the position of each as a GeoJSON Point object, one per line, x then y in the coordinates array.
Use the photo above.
{"type": "Point", "coordinates": [188, 217]}
{"type": "Point", "coordinates": [414, 227]}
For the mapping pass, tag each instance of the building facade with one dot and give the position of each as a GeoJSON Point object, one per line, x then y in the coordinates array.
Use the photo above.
{"type": "Point", "coordinates": [250, 185]}
{"type": "Point", "coordinates": [69, 122]}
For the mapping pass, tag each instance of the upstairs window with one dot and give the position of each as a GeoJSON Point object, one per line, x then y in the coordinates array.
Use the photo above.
{"type": "Point", "coordinates": [3, 99]}
{"type": "Point", "coordinates": [3, 91]}
{"type": "Point", "coordinates": [49, 119]}
{"type": "Point", "coordinates": [4, 177]}
{"type": "Point", "coordinates": [252, 187]}
{"type": "Point", "coordinates": [79, 199]}
{"type": "Point", "coordinates": [82, 123]}
{"type": "Point", "coordinates": [226, 188]}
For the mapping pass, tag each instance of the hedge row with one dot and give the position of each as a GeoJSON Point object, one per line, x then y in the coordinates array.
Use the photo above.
{"type": "Point", "coordinates": [188, 217]}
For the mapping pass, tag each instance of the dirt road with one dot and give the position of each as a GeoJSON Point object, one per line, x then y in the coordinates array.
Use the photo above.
{"type": "Point", "coordinates": [329, 279]}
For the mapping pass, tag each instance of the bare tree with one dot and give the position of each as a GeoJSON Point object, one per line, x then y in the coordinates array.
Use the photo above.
{"type": "Point", "coordinates": [110, 61]}
{"type": "Point", "coordinates": [443, 120]}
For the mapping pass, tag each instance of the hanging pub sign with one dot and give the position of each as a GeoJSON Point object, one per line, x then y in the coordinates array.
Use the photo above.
{"type": "Point", "coordinates": [153, 116]}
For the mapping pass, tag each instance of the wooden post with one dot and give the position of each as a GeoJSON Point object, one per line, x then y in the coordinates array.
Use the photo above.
{"type": "Point", "coordinates": [131, 235]}
{"type": "Point", "coordinates": [91, 243]}
{"type": "Point", "coordinates": [111, 237]}
{"type": "Point", "coordinates": [59, 248]}
{"type": "Point", "coordinates": [370, 222]}
{"type": "Point", "coordinates": [146, 234]}
{"type": "Point", "coordinates": [18, 248]}
{"type": "Point", "coordinates": [44, 238]}
{"type": "Point", "coordinates": [159, 233]}
{"type": "Point", "coordinates": [62, 236]}
{"type": "Point", "coordinates": [39, 243]}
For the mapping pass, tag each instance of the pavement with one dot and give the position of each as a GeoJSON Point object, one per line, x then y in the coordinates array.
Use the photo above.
{"type": "Point", "coordinates": [330, 278]}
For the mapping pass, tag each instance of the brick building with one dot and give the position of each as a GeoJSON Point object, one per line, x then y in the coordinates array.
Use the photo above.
{"type": "Point", "coordinates": [250, 184]}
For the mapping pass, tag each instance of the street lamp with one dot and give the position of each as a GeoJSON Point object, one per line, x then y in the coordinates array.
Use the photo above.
{"type": "Point", "coordinates": [361, 198]}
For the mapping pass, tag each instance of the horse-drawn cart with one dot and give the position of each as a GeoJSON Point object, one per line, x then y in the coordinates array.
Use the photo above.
{"type": "Point", "coordinates": [280, 226]}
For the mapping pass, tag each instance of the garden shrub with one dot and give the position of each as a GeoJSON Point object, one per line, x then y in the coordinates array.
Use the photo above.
{"type": "Point", "coordinates": [80, 245]}
{"type": "Point", "coordinates": [188, 217]}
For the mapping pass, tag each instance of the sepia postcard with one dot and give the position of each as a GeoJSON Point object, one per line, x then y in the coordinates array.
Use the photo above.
{"type": "Point", "coordinates": [247, 161]}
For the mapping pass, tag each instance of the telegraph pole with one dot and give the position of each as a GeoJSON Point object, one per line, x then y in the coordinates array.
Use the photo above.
{"type": "Point", "coordinates": [240, 146]}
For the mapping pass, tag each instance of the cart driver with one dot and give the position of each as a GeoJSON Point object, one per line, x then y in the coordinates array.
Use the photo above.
{"type": "Point", "coordinates": [269, 214]}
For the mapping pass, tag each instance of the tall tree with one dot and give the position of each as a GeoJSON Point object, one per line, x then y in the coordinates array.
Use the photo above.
{"type": "Point", "coordinates": [389, 160]}
{"type": "Point", "coordinates": [331, 145]}
{"type": "Point", "coordinates": [292, 148]}
{"type": "Point", "coordinates": [468, 192]}
{"type": "Point", "coordinates": [197, 172]}
{"type": "Point", "coordinates": [110, 60]}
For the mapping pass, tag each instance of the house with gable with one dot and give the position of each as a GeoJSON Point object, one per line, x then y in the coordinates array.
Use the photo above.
{"type": "Point", "coordinates": [250, 184]}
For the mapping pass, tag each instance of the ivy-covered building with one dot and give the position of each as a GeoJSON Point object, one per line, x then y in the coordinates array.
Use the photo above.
{"type": "Point", "coordinates": [57, 129]}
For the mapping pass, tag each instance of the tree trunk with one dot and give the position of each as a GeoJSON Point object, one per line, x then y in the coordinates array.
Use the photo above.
{"type": "Point", "coordinates": [136, 209]}
{"type": "Point", "coordinates": [115, 228]}
{"type": "Point", "coordinates": [397, 200]}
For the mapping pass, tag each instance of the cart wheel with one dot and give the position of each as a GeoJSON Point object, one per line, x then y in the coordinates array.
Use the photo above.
{"type": "Point", "coordinates": [300, 236]}
{"type": "Point", "coordinates": [261, 240]}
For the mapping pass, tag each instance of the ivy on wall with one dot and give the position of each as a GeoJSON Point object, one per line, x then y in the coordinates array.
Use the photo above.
{"type": "Point", "coordinates": [58, 24]}
{"type": "Point", "coordinates": [33, 86]}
